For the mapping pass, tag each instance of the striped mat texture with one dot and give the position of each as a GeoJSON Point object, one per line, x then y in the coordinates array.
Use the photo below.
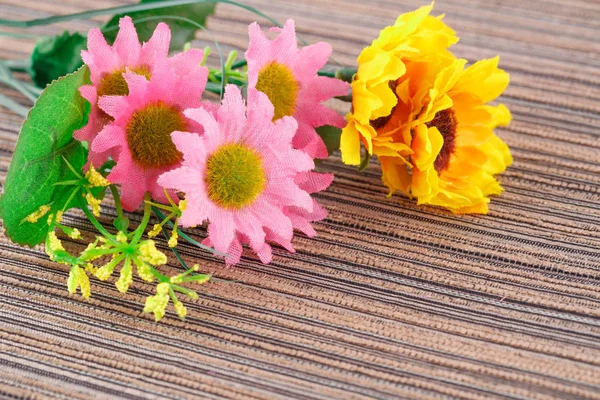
{"type": "Point", "coordinates": [390, 300]}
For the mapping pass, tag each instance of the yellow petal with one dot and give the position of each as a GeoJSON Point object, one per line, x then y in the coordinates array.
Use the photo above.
{"type": "Point", "coordinates": [484, 80]}
{"type": "Point", "coordinates": [350, 145]}
{"type": "Point", "coordinates": [426, 145]}
{"type": "Point", "coordinates": [395, 174]}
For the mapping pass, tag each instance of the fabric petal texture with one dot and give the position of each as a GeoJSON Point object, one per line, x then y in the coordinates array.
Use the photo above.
{"type": "Point", "coordinates": [265, 197]}
{"type": "Point", "coordinates": [288, 76]}
{"type": "Point", "coordinates": [138, 95]}
{"type": "Point", "coordinates": [424, 114]}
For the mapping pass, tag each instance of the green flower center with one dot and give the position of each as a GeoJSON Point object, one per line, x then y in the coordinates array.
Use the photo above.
{"type": "Point", "coordinates": [149, 135]}
{"type": "Point", "coordinates": [235, 176]}
{"type": "Point", "coordinates": [278, 83]}
{"type": "Point", "coordinates": [113, 84]}
{"type": "Point", "coordinates": [445, 122]}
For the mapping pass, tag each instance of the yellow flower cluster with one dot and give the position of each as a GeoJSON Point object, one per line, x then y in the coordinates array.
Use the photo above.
{"type": "Point", "coordinates": [426, 116]}
{"type": "Point", "coordinates": [78, 279]}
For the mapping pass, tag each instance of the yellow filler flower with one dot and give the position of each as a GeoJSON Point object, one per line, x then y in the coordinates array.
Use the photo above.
{"type": "Point", "coordinates": [416, 36]}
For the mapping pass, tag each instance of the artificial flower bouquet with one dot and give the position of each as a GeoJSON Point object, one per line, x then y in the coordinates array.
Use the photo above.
{"type": "Point", "coordinates": [134, 120]}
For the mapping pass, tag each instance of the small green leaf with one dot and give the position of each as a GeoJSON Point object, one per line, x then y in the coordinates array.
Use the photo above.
{"type": "Point", "coordinates": [331, 137]}
{"type": "Point", "coordinates": [181, 31]}
{"type": "Point", "coordinates": [56, 56]}
{"type": "Point", "coordinates": [37, 164]}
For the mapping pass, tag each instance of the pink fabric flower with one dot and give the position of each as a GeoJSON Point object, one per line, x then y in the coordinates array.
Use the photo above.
{"type": "Point", "coordinates": [106, 61]}
{"type": "Point", "coordinates": [283, 202]}
{"type": "Point", "coordinates": [304, 101]}
{"type": "Point", "coordinates": [139, 135]}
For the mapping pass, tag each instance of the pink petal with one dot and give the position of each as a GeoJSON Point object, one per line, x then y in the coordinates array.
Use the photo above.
{"type": "Point", "coordinates": [127, 44]}
{"type": "Point", "coordinates": [311, 59]}
{"type": "Point", "coordinates": [212, 134]}
{"type": "Point", "coordinates": [100, 57]}
{"type": "Point", "coordinates": [221, 229]}
{"type": "Point", "coordinates": [157, 46]}
{"type": "Point", "coordinates": [234, 252]}
{"type": "Point", "coordinates": [285, 47]}
{"type": "Point", "coordinates": [183, 179]}
{"type": "Point", "coordinates": [313, 182]}
{"type": "Point", "coordinates": [132, 180]}
{"type": "Point", "coordinates": [109, 137]}
{"type": "Point", "coordinates": [232, 113]}
{"type": "Point", "coordinates": [251, 227]}
{"type": "Point", "coordinates": [162, 83]}
{"type": "Point", "coordinates": [187, 62]}
{"type": "Point", "coordinates": [115, 106]}
{"type": "Point", "coordinates": [273, 218]}
{"type": "Point", "coordinates": [265, 253]}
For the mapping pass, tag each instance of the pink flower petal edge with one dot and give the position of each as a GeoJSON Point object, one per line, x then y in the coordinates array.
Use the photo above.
{"type": "Point", "coordinates": [313, 89]}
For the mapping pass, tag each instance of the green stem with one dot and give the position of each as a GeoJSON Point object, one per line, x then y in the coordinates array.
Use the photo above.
{"type": "Point", "coordinates": [17, 65]}
{"type": "Point", "coordinates": [189, 239]}
{"type": "Point", "coordinates": [7, 78]}
{"type": "Point", "coordinates": [344, 74]}
{"type": "Point", "coordinates": [117, 198]}
{"type": "Point", "coordinates": [239, 64]}
{"type": "Point", "coordinates": [126, 10]}
{"type": "Point", "coordinates": [97, 224]}
{"type": "Point", "coordinates": [13, 106]}
{"type": "Point", "coordinates": [140, 229]}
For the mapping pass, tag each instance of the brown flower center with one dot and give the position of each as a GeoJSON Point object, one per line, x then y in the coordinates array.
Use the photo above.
{"type": "Point", "coordinates": [445, 122]}
{"type": "Point", "coordinates": [149, 135]}
{"type": "Point", "coordinates": [113, 84]}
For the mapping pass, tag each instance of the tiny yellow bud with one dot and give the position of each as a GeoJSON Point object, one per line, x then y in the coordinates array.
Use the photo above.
{"type": "Point", "coordinates": [105, 271]}
{"type": "Point", "coordinates": [59, 217]}
{"type": "Point", "coordinates": [180, 310]}
{"type": "Point", "coordinates": [125, 279]}
{"type": "Point", "coordinates": [95, 178]}
{"type": "Point", "coordinates": [196, 268]}
{"type": "Point", "coordinates": [163, 288]}
{"type": "Point", "coordinates": [173, 240]}
{"type": "Point", "coordinates": [91, 268]}
{"type": "Point", "coordinates": [94, 203]}
{"type": "Point", "coordinates": [36, 215]}
{"type": "Point", "coordinates": [156, 304]}
{"type": "Point", "coordinates": [78, 278]}
{"type": "Point", "coordinates": [121, 237]}
{"type": "Point", "coordinates": [182, 204]}
{"type": "Point", "coordinates": [150, 254]}
{"type": "Point", "coordinates": [155, 230]}
{"type": "Point", "coordinates": [54, 243]}
{"type": "Point", "coordinates": [144, 271]}
{"type": "Point", "coordinates": [75, 234]}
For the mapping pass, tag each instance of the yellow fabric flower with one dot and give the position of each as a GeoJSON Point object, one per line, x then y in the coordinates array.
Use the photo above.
{"type": "Point", "coordinates": [455, 151]}
{"type": "Point", "coordinates": [416, 36]}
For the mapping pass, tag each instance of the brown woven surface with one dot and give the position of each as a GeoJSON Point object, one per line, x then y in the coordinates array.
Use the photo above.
{"type": "Point", "coordinates": [390, 300]}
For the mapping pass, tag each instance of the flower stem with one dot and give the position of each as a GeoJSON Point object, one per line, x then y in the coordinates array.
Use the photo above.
{"type": "Point", "coordinates": [115, 194]}
{"type": "Point", "coordinates": [140, 229]}
{"type": "Point", "coordinates": [97, 224]}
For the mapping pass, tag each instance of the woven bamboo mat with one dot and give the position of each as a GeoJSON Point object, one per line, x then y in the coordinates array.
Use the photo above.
{"type": "Point", "coordinates": [390, 300]}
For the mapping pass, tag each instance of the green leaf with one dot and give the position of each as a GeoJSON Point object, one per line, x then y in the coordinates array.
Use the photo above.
{"type": "Point", "coordinates": [37, 164]}
{"type": "Point", "coordinates": [331, 137]}
{"type": "Point", "coordinates": [181, 32]}
{"type": "Point", "coordinates": [56, 56]}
